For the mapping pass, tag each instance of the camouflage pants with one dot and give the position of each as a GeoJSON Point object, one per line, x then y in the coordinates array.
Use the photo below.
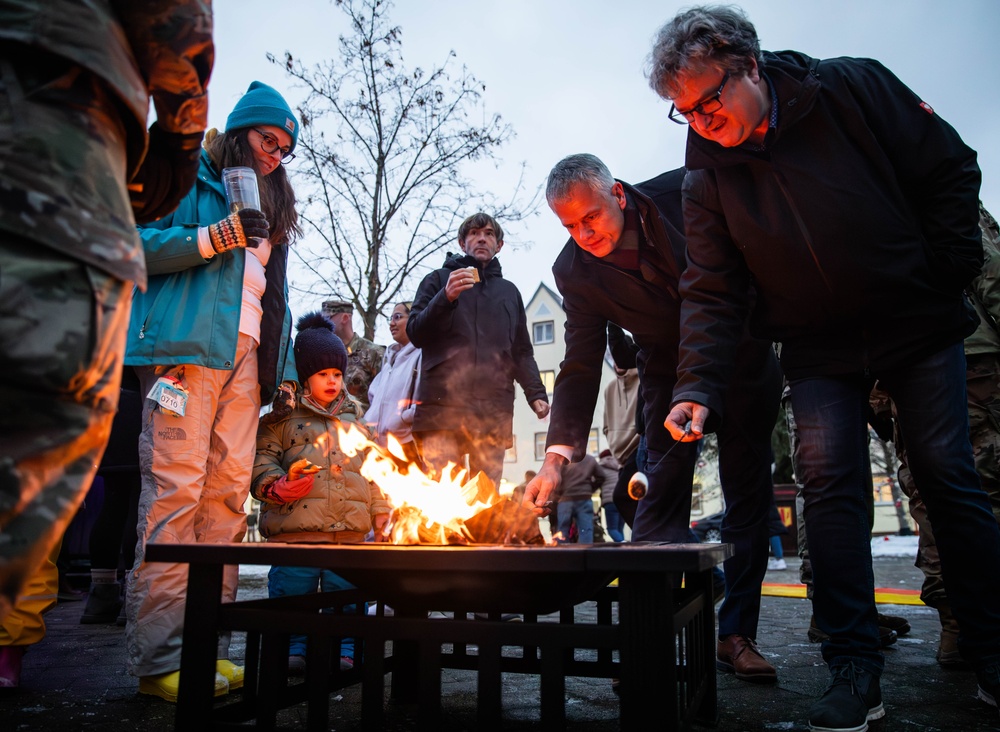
{"type": "Point", "coordinates": [983, 385]}
{"type": "Point", "coordinates": [62, 339]}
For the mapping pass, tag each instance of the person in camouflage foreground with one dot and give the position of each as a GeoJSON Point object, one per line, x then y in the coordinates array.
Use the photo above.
{"type": "Point", "coordinates": [75, 158]}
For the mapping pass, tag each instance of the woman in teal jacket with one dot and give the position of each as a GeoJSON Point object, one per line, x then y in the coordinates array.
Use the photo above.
{"type": "Point", "coordinates": [210, 341]}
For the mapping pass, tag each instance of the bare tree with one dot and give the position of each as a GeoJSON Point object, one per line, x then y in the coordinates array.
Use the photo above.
{"type": "Point", "coordinates": [386, 150]}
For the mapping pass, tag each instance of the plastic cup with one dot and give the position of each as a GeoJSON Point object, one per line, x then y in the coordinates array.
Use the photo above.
{"type": "Point", "coordinates": [241, 189]}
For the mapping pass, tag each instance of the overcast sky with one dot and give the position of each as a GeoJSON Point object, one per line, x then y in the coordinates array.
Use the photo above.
{"type": "Point", "coordinates": [568, 76]}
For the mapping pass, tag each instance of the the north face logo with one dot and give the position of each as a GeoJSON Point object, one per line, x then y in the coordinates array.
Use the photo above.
{"type": "Point", "coordinates": [172, 433]}
{"type": "Point", "coordinates": [289, 124]}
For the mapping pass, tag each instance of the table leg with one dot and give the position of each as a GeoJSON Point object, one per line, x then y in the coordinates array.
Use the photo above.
{"type": "Point", "coordinates": [647, 655]}
{"type": "Point", "coordinates": [196, 694]}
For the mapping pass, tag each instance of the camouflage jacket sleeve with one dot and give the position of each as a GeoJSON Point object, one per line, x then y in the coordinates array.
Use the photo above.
{"type": "Point", "coordinates": [172, 44]}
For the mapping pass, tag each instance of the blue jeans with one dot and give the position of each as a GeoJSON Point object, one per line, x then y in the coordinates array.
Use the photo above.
{"type": "Point", "coordinates": [283, 581]}
{"type": "Point", "coordinates": [830, 416]}
{"type": "Point", "coordinates": [615, 522]}
{"type": "Point", "coordinates": [583, 511]}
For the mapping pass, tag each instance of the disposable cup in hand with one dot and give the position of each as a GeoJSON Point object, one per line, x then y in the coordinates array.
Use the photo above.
{"type": "Point", "coordinates": [241, 189]}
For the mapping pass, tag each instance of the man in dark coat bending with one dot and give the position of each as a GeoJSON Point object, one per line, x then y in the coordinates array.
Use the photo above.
{"type": "Point", "coordinates": [622, 265]}
{"type": "Point", "coordinates": [469, 323]}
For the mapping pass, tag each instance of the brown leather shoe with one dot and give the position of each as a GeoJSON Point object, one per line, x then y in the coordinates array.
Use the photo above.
{"type": "Point", "coordinates": [738, 655]}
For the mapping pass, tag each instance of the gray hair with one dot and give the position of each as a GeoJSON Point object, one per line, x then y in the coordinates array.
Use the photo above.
{"type": "Point", "coordinates": [575, 169]}
{"type": "Point", "coordinates": [709, 35]}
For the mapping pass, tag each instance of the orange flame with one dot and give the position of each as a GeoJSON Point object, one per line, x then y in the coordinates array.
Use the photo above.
{"type": "Point", "coordinates": [425, 510]}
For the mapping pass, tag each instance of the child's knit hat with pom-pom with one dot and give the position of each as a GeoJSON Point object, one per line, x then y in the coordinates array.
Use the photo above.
{"type": "Point", "coordinates": [317, 347]}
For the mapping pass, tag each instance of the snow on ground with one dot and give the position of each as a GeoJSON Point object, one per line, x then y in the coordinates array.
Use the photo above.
{"type": "Point", "coordinates": [892, 545]}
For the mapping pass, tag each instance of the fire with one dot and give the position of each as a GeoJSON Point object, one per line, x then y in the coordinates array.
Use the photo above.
{"type": "Point", "coordinates": [426, 510]}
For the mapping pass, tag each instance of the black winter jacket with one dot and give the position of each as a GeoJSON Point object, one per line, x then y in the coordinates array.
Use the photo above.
{"type": "Point", "coordinates": [857, 227]}
{"type": "Point", "coordinates": [647, 305]}
{"type": "Point", "coordinates": [472, 352]}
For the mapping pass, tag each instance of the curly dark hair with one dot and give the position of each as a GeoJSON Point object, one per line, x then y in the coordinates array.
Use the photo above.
{"type": "Point", "coordinates": [709, 35]}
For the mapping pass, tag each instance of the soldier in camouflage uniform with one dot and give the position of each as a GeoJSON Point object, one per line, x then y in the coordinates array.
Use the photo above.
{"type": "Point", "coordinates": [364, 358]}
{"type": "Point", "coordinates": [75, 83]}
{"type": "Point", "coordinates": [982, 377]}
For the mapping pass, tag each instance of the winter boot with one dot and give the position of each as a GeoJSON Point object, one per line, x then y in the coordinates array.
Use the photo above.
{"type": "Point", "coordinates": [852, 699]}
{"type": "Point", "coordinates": [167, 685]}
{"type": "Point", "coordinates": [948, 655]}
{"type": "Point", "coordinates": [103, 603]}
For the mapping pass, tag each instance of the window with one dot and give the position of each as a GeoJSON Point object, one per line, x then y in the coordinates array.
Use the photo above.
{"type": "Point", "coordinates": [592, 447]}
{"type": "Point", "coordinates": [543, 332]}
{"type": "Point", "coordinates": [540, 445]}
{"type": "Point", "coordinates": [549, 380]}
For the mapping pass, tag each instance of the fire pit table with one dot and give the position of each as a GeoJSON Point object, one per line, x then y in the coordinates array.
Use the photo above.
{"type": "Point", "coordinates": [664, 634]}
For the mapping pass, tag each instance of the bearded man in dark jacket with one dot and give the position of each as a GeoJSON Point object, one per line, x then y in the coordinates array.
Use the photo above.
{"type": "Point", "coordinates": [622, 265]}
{"type": "Point", "coordinates": [853, 209]}
{"type": "Point", "coordinates": [470, 325]}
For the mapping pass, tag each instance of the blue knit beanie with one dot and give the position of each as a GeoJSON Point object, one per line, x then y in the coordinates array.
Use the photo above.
{"type": "Point", "coordinates": [262, 105]}
{"type": "Point", "coordinates": [317, 347]}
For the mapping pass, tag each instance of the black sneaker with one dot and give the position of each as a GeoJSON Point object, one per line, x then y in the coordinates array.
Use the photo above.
{"type": "Point", "coordinates": [852, 699]}
{"type": "Point", "coordinates": [989, 685]}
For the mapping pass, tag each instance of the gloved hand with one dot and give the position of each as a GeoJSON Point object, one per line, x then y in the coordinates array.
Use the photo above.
{"type": "Point", "coordinates": [284, 490]}
{"type": "Point", "coordinates": [240, 229]}
{"type": "Point", "coordinates": [282, 404]}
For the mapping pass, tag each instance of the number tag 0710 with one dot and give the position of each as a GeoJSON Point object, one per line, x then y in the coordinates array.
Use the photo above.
{"type": "Point", "coordinates": [169, 395]}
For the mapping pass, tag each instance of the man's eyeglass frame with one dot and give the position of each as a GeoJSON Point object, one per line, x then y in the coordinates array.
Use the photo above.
{"type": "Point", "coordinates": [705, 107]}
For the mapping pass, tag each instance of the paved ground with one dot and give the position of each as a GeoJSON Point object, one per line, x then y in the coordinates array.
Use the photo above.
{"type": "Point", "coordinates": [75, 680]}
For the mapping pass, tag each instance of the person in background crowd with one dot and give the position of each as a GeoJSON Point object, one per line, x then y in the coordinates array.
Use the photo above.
{"type": "Point", "coordinates": [113, 535]}
{"type": "Point", "coordinates": [609, 470]}
{"type": "Point", "coordinates": [470, 325]}
{"type": "Point", "coordinates": [311, 491]}
{"type": "Point", "coordinates": [622, 399]}
{"type": "Point", "coordinates": [775, 530]}
{"type": "Point", "coordinates": [392, 391]}
{"type": "Point", "coordinates": [78, 170]}
{"type": "Point", "coordinates": [205, 378]}
{"type": "Point", "coordinates": [622, 265]}
{"type": "Point", "coordinates": [364, 358]}
{"type": "Point", "coordinates": [852, 208]}
{"type": "Point", "coordinates": [575, 500]}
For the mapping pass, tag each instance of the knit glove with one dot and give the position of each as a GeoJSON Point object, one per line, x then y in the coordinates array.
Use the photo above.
{"type": "Point", "coordinates": [241, 229]}
{"type": "Point", "coordinates": [282, 404]}
{"type": "Point", "coordinates": [284, 490]}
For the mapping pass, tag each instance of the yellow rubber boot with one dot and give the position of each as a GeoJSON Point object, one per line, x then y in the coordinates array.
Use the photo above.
{"type": "Point", "coordinates": [166, 685]}
{"type": "Point", "coordinates": [232, 672]}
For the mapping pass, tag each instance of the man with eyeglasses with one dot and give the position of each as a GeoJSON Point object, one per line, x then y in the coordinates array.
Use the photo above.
{"type": "Point", "coordinates": [853, 209]}
{"type": "Point", "coordinates": [621, 265]}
